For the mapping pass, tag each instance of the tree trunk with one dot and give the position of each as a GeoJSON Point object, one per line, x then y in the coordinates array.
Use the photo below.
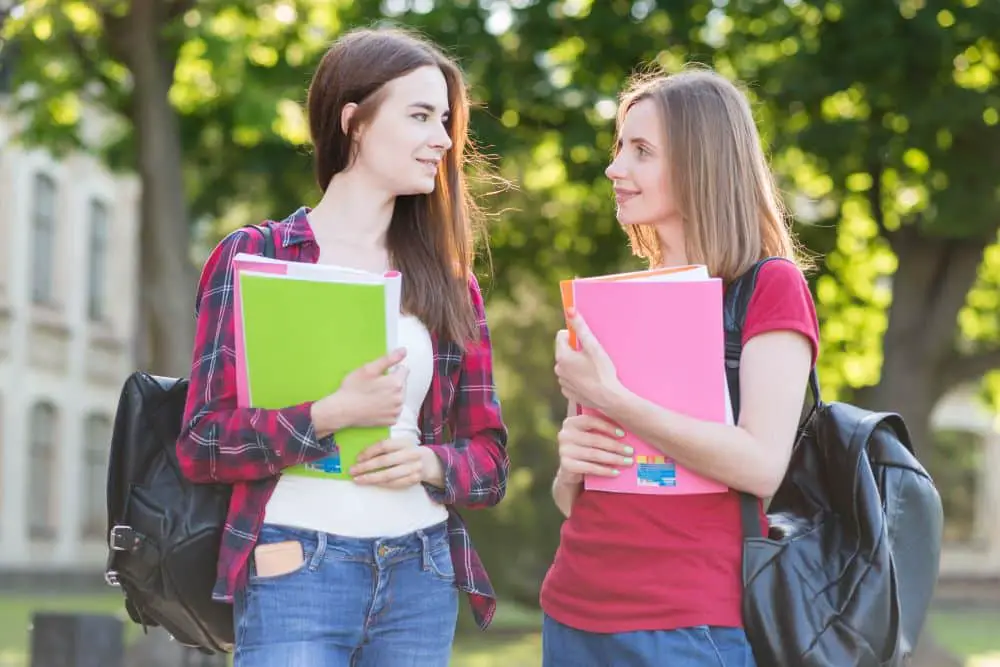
{"type": "Point", "coordinates": [929, 289]}
{"type": "Point", "coordinates": [167, 277]}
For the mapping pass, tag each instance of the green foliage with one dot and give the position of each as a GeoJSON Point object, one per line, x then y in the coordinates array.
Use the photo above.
{"type": "Point", "coordinates": [881, 115]}
{"type": "Point", "coordinates": [518, 538]}
{"type": "Point", "coordinates": [877, 115]}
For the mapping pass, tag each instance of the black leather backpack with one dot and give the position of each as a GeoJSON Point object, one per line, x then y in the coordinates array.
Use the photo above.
{"type": "Point", "coordinates": [846, 572]}
{"type": "Point", "coordinates": [164, 532]}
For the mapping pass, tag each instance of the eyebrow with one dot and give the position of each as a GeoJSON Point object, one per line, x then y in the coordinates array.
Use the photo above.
{"type": "Point", "coordinates": [637, 141]}
{"type": "Point", "coordinates": [429, 107]}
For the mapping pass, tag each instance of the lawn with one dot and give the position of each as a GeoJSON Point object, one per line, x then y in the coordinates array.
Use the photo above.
{"type": "Point", "coordinates": [513, 640]}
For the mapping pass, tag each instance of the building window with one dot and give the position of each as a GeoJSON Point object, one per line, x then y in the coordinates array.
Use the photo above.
{"type": "Point", "coordinates": [96, 278]}
{"type": "Point", "coordinates": [97, 444]}
{"type": "Point", "coordinates": [42, 475]}
{"type": "Point", "coordinates": [43, 239]}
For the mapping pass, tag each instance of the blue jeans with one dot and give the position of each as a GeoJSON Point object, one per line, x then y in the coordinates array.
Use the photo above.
{"type": "Point", "coordinates": [353, 602]}
{"type": "Point", "coordinates": [701, 646]}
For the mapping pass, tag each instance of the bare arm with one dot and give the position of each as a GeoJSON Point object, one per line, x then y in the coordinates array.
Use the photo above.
{"type": "Point", "coordinates": [751, 456]}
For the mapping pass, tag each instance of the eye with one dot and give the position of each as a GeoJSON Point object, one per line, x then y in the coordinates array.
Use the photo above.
{"type": "Point", "coordinates": [642, 151]}
{"type": "Point", "coordinates": [422, 117]}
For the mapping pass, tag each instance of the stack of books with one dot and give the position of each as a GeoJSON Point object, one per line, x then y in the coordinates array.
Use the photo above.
{"type": "Point", "coordinates": [301, 329]}
{"type": "Point", "coordinates": [663, 330]}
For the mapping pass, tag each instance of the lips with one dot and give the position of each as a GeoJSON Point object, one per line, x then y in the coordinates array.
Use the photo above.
{"type": "Point", "coordinates": [430, 165]}
{"type": "Point", "coordinates": [622, 196]}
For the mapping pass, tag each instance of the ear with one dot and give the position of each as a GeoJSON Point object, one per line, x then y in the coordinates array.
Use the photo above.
{"type": "Point", "coordinates": [346, 115]}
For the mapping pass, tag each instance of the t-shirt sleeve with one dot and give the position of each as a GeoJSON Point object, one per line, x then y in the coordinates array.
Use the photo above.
{"type": "Point", "coordinates": [781, 301]}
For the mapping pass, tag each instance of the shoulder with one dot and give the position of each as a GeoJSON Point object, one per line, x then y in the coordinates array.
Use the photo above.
{"type": "Point", "coordinates": [780, 275]}
{"type": "Point", "coordinates": [217, 270]}
{"type": "Point", "coordinates": [475, 292]}
{"type": "Point", "coordinates": [781, 300]}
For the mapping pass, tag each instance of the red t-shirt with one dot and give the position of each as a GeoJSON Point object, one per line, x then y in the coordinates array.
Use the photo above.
{"type": "Point", "coordinates": [643, 562]}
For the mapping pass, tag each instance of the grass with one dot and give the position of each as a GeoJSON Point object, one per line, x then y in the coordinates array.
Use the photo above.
{"type": "Point", "coordinates": [974, 635]}
{"type": "Point", "coordinates": [512, 641]}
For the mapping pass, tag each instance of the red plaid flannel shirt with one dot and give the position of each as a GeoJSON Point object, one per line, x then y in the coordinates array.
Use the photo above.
{"type": "Point", "coordinates": [248, 448]}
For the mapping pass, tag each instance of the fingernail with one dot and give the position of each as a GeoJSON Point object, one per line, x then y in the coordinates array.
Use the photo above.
{"type": "Point", "coordinates": [628, 461]}
{"type": "Point", "coordinates": [616, 471]}
{"type": "Point", "coordinates": [628, 450]}
{"type": "Point", "coordinates": [620, 433]}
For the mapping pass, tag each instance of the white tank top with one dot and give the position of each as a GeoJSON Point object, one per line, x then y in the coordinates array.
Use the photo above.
{"type": "Point", "coordinates": [341, 507]}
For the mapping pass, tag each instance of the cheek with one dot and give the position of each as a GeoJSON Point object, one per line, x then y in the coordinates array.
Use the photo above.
{"type": "Point", "coordinates": [656, 188]}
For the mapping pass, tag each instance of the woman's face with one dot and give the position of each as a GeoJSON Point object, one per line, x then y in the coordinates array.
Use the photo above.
{"type": "Point", "coordinates": [404, 143]}
{"type": "Point", "coordinates": [640, 171]}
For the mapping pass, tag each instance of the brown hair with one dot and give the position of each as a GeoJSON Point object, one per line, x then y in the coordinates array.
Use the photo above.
{"type": "Point", "coordinates": [430, 238]}
{"type": "Point", "coordinates": [725, 191]}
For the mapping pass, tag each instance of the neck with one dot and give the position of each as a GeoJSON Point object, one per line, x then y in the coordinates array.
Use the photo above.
{"type": "Point", "coordinates": [352, 214]}
{"type": "Point", "coordinates": [673, 247]}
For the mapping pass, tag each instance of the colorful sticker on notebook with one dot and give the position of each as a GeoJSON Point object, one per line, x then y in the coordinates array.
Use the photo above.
{"type": "Point", "coordinates": [655, 471]}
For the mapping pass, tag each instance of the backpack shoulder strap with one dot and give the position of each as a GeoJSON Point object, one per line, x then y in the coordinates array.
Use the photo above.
{"type": "Point", "coordinates": [268, 234]}
{"type": "Point", "coordinates": [736, 302]}
{"type": "Point", "coordinates": [735, 305]}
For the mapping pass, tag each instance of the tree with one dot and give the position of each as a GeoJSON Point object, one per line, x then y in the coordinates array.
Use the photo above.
{"type": "Point", "coordinates": [885, 126]}
{"type": "Point", "coordinates": [208, 113]}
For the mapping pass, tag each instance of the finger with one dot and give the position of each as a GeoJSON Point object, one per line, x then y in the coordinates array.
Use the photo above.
{"type": "Point", "coordinates": [371, 452]}
{"type": "Point", "coordinates": [588, 342]}
{"type": "Point", "coordinates": [382, 448]}
{"type": "Point", "coordinates": [383, 364]}
{"type": "Point", "coordinates": [587, 468]}
{"type": "Point", "coordinates": [387, 457]}
{"type": "Point", "coordinates": [595, 423]}
{"type": "Point", "coordinates": [562, 347]}
{"type": "Point", "coordinates": [582, 452]}
{"type": "Point", "coordinates": [562, 339]}
{"type": "Point", "coordinates": [595, 441]}
{"type": "Point", "coordinates": [400, 475]}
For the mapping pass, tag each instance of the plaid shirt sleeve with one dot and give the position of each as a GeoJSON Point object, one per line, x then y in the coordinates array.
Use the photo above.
{"type": "Point", "coordinates": [475, 463]}
{"type": "Point", "coordinates": [220, 442]}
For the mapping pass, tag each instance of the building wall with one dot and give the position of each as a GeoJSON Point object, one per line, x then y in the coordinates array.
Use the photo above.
{"type": "Point", "coordinates": [61, 367]}
{"type": "Point", "coordinates": [980, 556]}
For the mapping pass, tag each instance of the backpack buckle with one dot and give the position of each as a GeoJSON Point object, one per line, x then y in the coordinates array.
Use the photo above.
{"type": "Point", "coordinates": [123, 538]}
{"type": "Point", "coordinates": [111, 578]}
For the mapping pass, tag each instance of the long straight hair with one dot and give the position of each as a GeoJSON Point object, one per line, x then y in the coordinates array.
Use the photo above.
{"type": "Point", "coordinates": [431, 237]}
{"type": "Point", "coordinates": [725, 191]}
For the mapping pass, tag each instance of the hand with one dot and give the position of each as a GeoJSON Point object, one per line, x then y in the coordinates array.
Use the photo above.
{"type": "Point", "coordinates": [368, 396]}
{"type": "Point", "coordinates": [395, 463]}
{"type": "Point", "coordinates": [589, 445]}
{"type": "Point", "coordinates": [586, 376]}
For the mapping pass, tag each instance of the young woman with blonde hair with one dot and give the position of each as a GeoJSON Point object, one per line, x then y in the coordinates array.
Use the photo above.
{"type": "Point", "coordinates": [644, 580]}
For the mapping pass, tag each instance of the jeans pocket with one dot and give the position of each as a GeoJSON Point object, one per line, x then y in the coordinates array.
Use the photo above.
{"type": "Point", "coordinates": [437, 560]}
{"type": "Point", "coordinates": [280, 547]}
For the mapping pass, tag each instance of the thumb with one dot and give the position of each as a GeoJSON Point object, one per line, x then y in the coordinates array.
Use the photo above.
{"type": "Point", "coordinates": [588, 342]}
{"type": "Point", "coordinates": [381, 365]}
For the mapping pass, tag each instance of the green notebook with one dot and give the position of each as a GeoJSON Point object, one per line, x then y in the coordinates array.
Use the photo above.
{"type": "Point", "coordinates": [301, 337]}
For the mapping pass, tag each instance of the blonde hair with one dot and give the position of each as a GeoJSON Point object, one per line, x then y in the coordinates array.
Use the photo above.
{"type": "Point", "coordinates": [725, 191]}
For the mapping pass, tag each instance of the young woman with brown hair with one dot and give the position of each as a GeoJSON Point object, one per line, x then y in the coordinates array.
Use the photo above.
{"type": "Point", "coordinates": [325, 572]}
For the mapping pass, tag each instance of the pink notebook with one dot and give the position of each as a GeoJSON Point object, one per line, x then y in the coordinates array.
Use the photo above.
{"type": "Point", "coordinates": [666, 339]}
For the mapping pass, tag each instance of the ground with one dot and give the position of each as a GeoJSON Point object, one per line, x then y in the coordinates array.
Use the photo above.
{"type": "Point", "coordinates": [974, 634]}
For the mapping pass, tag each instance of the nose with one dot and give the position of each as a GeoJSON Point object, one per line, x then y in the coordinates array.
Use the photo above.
{"type": "Point", "coordinates": [616, 170]}
{"type": "Point", "coordinates": [441, 138]}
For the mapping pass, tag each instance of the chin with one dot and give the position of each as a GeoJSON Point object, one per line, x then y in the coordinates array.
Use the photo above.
{"type": "Point", "coordinates": [417, 188]}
